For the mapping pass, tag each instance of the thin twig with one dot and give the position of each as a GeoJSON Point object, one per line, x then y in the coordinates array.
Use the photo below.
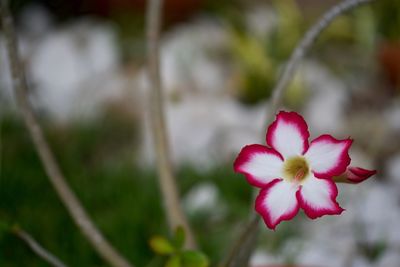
{"type": "Point", "coordinates": [243, 243]}
{"type": "Point", "coordinates": [173, 209]}
{"type": "Point", "coordinates": [303, 47]}
{"type": "Point", "coordinates": [67, 196]}
{"type": "Point", "coordinates": [37, 248]}
{"type": "Point", "coordinates": [244, 246]}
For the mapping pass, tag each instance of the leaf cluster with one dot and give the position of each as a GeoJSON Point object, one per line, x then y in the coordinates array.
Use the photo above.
{"type": "Point", "coordinates": [176, 255]}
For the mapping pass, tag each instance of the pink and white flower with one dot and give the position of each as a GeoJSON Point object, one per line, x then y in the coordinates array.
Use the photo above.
{"type": "Point", "coordinates": [293, 173]}
{"type": "Point", "coordinates": [354, 175]}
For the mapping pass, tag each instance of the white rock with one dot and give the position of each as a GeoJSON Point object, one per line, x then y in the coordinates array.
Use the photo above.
{"type": "Point", "coordinates": [390, 258]}
{"type": "Point", "coordinates": [324, 111]}
{"type": "Point", "coordinates": [261, 20]}
{"type": "Point", "coordinates": [203, 197]}
{"type": "Point", "coordinates": [378, 213]}
{"type": "Point", "coordinates": [186, 64]}
{"type": "Point", "coordinates": [71, 66]}
{"type": "Point", "coordinates": [206, 131]}
{"type": "Point", "coordinates": [360, 261]}
{"type": "Point", "coordinates": [328, 236]}
{"type": "Point", "coordinates": [393, 169]}
{"type": "Point", "coordinates": [392, 115]}
{"type": "Point", "coordinates": [263, 258]}
{"type": "Point", "coordinates": [321, 254]}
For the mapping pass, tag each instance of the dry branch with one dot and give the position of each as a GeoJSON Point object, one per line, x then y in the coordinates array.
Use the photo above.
{"type": "Point", "coordinates": [67, 196]}
{"type": "Point", "coordinates": [304, 46]}
{"type": "Point", "coordinates": [168, 186]}
{"type": "Point", "coordinates": [37, 248]}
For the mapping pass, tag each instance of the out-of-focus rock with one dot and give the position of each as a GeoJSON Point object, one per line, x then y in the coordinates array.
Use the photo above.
{"type": "Point", "coordinates": [390, 259]}
{"type": "Point", "coordinates": [316, 254]}
{"type": "Point", "coordinates": [324, 111]}
{"type": "Point", "coordinates": [392, 116]}
{"type": "Point", "coordinates": [261, 20]}
{"type": "Point", "coordinates": [202, 197]}
{"type": "Point", "coordinates": [359, 261]}
{"type": "Point", "coordinates": [378, 206]}
{"type": "Point", "coordinates": [72, 67]}
{"type": "Point", "coordinates": [207, 131]}
{"type": "Point", "coordinates": [393, 170]}
{"type": "Point", "coordinates": [187, 62]}
{"type": "Point", "coordinates": [262, 258]}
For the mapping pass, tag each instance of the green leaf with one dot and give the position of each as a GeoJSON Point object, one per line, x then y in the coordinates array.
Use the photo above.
{"type": "Point", "coordinates": [179, 238]}
{"type": "Point", "coordinates": [161, 245]}
{"type": "Point", "coordinates": [4, 226]}
{"type": "Point", "coordinates": [191, 258]}
{"type": "Point", "coordinates": [173, 261]}
{"type": "Point", "coordinates": [4, 229]}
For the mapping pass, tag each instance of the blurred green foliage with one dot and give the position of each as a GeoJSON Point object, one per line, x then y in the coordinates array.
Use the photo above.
{"type": "Point", "coordinates": [98, 159]}
{"type": "Point", "coordinates": [259, 58]}
{"type": "Point", "coordinates": [162, 246]}
{"type": "Point", "coordinates": [373, 252]}
{"type": "Point", "coordinates": [387, 13]}
{"type": "Point", "coordinates": [102, 182]}
{"type": "Point", "coordinates": [177, 255]}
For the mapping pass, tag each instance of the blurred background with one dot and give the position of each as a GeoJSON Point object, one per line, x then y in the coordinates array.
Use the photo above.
{"type": "Point", "coordinates": [85, 62]}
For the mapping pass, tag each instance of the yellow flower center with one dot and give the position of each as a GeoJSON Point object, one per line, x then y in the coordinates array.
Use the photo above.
{"type": "Point", "coordinates": [296, 169]}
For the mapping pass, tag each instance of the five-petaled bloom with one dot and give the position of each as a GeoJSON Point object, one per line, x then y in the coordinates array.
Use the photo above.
{"type": "Point", "coordinates": [292, 173]}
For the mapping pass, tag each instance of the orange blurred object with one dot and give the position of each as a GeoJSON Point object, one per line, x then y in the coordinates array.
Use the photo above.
{"type": "Point", "coordinates": [389, 59]}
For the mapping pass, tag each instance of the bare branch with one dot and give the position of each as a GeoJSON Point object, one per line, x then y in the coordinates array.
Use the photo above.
{"type": "Point", "coordinates": [67, 196]}
{"type": "Point", "coordinates": [243, 247]}
{"type": "Point", "coordinates": [37, 248]}
{"type": "Point", "coordinates": [304, 46]}
{"type": "Point", "coordinates": [173, 209]}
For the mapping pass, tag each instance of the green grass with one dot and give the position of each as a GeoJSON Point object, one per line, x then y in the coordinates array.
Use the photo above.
{"type": "Point", "coordinates": [98, 160]}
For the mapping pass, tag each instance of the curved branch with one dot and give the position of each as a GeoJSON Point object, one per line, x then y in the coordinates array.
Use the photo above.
{"type": "Point", "coordinates": [67, 196]}
{"type": "Point", "coordinates": [302, 48]}
{"type": "Point", "coordinates": [37, 248]}
{"type": "Point", "coordinates": [173, 209]}
{"type": "Point", "coordinates": [244, 242]}
{"type": "Point", "coordinates": [243, 247]}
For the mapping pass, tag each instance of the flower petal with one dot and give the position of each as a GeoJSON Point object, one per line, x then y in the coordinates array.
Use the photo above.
{"type": "Point", "coordinates": [288, 134]}
{"type": "Point", "coordinates": [260, 164]}
{"type": "Point", "coordinates": [328, 156]}
{"type": "Point", "coordinates": [277, 202]}
{"type": "Point", "coordinates": [354, 175]}
{"type": "Point", "coordinates": [317, 197]}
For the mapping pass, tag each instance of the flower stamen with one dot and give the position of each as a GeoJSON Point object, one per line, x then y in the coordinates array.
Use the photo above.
{"type": "Point", "coordinates": [296, 169]}
{"type": "Point", "coordinates": [299, 175]}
